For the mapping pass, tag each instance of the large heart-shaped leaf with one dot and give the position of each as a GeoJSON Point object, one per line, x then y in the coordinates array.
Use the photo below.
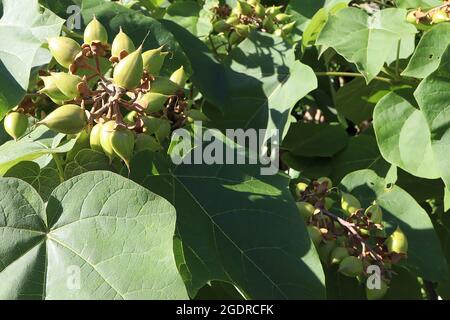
{"type": "Point", "coordinates": [87, 243]}
{"type": "Point", "coordinates": [368, 41]}
{"type": "Point", "coordinates": [86, 160]}
{"type": "Point", "coordinates": [236, 226]}
{"type": "Point", "coordinates": [425, 256]}
{"type": "Point", "coordinates": [417, 3]}
{"type": "Point", "coordinates": [23, 30]}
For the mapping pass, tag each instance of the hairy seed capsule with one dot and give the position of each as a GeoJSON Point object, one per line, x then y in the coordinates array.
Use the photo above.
{"type": "Point", "coordinates": [16, 124]}
{"type": "Point", "coordinates": [122, 42]}
{"type": "Point", "coordinates": [153, 60]}
{"type": "Point", "coordinates": [122, 142]}
{"type": "Point", "coordinates": [351, 267]}
{"type": "Point", "coordinates": [64, 50]}
{"type": "Point", "coordinates": [146, 142]}
{"type": "Point", "coordinates": [52, 91]}
{"type": "Point", "coordinates": [67, 83]}
{"type": "Point", "coordinates": [163, 86]}
{"type": "Point", "coordinates": [153, 102]}
{"type": "Point", "coordinates": [95, 31]}
{"type": "Point", "coordinates": [105, 139]}
{"type": "Point", "coordinates": [349, 203]}
{"type": "Point", "coordinates": [397, 242]}
{"type": "Point", "coordinates": [305, 209]}
{"type": "Point", "coordinates": [315, 235]}
{"type": "Point", "coordinates": [94, 139]}
{"type": "Point", "coordinates": [128, 72]}
{"type": "Point", "coordinates": [67, 119]}
{"type": "Point", "coordinates": [376, 294]}
{"type": "Point", "coordinates": [376, 214]}
{"type": "Point", "coordinates": [179, 77]}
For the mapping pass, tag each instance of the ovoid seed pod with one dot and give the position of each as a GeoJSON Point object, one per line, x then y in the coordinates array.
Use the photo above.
{"type": "Point", "coordinates": [253, 2]}
{"type": "Point", "coordinates": [16, 124]}
{"type": "Point", "coordinates": [376, 214]}
{"type": "Point", "coordinates": [67, 83]}
{"type": "Point", "coordinates": [235, 38]}
{"type": "Point", "coordinates": [94, 139]}
{"type": "Point", "coordinates": [287, 28]}
{"type": "Point", "coordinates": [278, 32]}
{"type": "Point", "coordinates": [153, 102]}
{"type": "Point", "coordinates": [325, 180]}
{"type": "Point", "coordinates": [439, 16]}
{"type": "Point", "coordinates": [221, 26]}
{"type": "Point", "coordinates": [351, 267]}
{"type": "Point", "coordinates": [324, 250]}
{"type": "Point", "coordinates": [315, 235]}
{"type": "Point", "coordinates": [305, 209]}
{"type": "Point", "coordinates": [122, 42]}
{"type": "Point", "coordinates": [243, 7]}
{"type": "Point", "coordinates": [95, 31]}
{"type": "Point", "coordinates": [67, 119]}
{"type": "Point", "coordinates": [179, 77]}
{"type": "Point", "coordinates": [232, 20]}
{"type": "Point", "coordinates": [243, 30]}
{"type": "Point", "coordinates": [376, 294]}
{"type": "Point", "coordinates": [130, 118]}
{"type": "Point", "coordinates": [122, 142]}
{"type": "Point", "coordinates": [282, 17]}
{"type": "Point", "coordinates": [328, 203]}
{"type": "Point", "coordinates": [268, 24]}
{"type": "Point", "coordinates": [397, 242]}
{"type": "Point", "coordinates": [163, 86]}
{"type": "Point", "coordinates": [274, 10]}
{"type": "Point", "coordinates": [411, 17]}
{"type": "Point", "coordinates": [300, 188]}
{"type": "Point", "coordinates": [349, 203]}
{"type": "Point", "coordinates": [52, 91]}
{"type": "Point", "coordinates": [64, 50]}
{"type": "Point", "coordinates": [338, 254]}
{"type": "Point", "coordinates": [260, 11]}
{"type": "Point", "coordinates": [105, 139]}
{"type": "Point", "coordinates": [146, 142]}
{"type": "Point", "coordinates": [128, 72]}
{"type": "Point", "coordinates": [157, 126]}
{"type": "Point", "coordinates": [153, 60]}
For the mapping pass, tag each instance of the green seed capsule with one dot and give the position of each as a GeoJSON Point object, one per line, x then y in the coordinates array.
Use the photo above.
{"type": "Point", "coordinates": [67, 83]}
{"type": "Point", "coordinates": [95, 31]}
{"type": "Point", "coordinates": [235, 38]}
{"type": "Point", "coordinates": [351, 267]}
{"type": "Point", "coordinates": [274, 10]}
{"type": "Point", "coordinates": [305, 209]}
{"type": "Point", "coordinates": [243, 30]}
{"type": "Point", "coordinates": [122, 142]}
{"type": "Point", "coordinates": [233, 20]}
{"type": "Point", "coordinates": [439, 17]}
{"type": "Point", "coordinates": [283, 17]}
{"type": "Point", "coordinates": [128, 72]}
{"type": "Point", "coordinates": [147, 142]}
{"type": "Point", "coordinates": [94, 139]}
{"type": "Point", "coordinates": [268, 24]}
{"type": "Point", "coordinates": [105, 139]}
{"type": "Point", "coordinates": [243, 8]}
{"type": "Point", "coordinates": [52, 91]}
{"type": "Point", "coordinates": [325, 250]}
{"type": "Point", "coordinates": [179, 77]}
{"type": "Point", "coordinates": [315, 235]}
{"type": "Point", "coordinates": [159, 127]}
{"type": "Point", "coordinates": [326, 181]}
{"type": "Point", "coordinates": [122, 42]}
{"type": "Point", "coordinates": [253, 2]}
{"type": "Point", "coordinates": [153, 102]}
{"type": "Point", "coordinates": [163, 86]}
{"type": "Point", "coordinates": [221, 26]}
{"type": "Point", "coordinates": [376, 214]}
{"type": "Point", "coordinates": [397, 242]}
{"type": "Point", "coordinates": [64, 50]}
{"type": "Point", "coordinates": [376, 294]}
{"type": "Point", "coordinates": [16, 124]}
{"type": "Point", "coordinates": [300, 188]}
{"type": "Point", "coordinates": [349, 203]}
{"type": "Point", "coordinates": [338, 254]}
{"type": "Point", "coordinates": [130, 118]}
{"type": "Point", "coordinates": [153, 60]}
{"type": "Point", "coordinates": [287, 28]}
{"type": "Point", "coordinates": [260, 11]}
{"type": "Point", "coordinates": [67, 119]}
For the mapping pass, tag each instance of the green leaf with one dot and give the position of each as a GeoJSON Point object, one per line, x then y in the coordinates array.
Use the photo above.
{"type": "Point", "coordinates": [236, 226]}
{"type": "Point", "coordinates": [265, 82]}
{"type": "Point", "coordinates": [425, 257]}
{"type": "Point", "coordinates": [433, 96]}
{"type": "Point", "coordinates": [417, 3]}
{"type": "Point", "coordinates": [315, 140]}
{"type": "Point", "coordinates": [401, 131]}
{"type": "Point", "coordinates": [86, 160]}
{"type": "Point", "coordinates": [87, 243]}
{"type": "Point", "coordinates": [23, 30]}
{"type": "Point", "coordinates": [404, 286]}
{"type": "Point", "coordinates": [311, 168]}
{"type": "Point", "coordinates": [38, 143]}
{"type": "Point", "coordinates": [429, 52]}
{"type": "Point", "coordinates": [186, 14]}
{"type": "Point", "coordinates": [368, 41]}
{"type": "Point", "coordinates": [43, 180]}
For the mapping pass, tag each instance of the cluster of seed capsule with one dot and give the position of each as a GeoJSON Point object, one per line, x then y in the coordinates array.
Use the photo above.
{"type": "Point", "coordinates": [353, 238]}
{"type": "Point", "coordinates": [133, 110]}
{"type": "Point", "coordinates": [424, 20]}
{"type": "Point", "coordinates": [250, 15]}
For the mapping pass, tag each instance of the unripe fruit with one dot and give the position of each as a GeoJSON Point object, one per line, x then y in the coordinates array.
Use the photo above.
{"type": "Point", "coordinates": [232, 20]}
{"type": "Point", "coordinates": [105, 138]}
{"type": "Point", "coordinates": [235, 38]}
{"type": "Point", "coordinates": [411, 17]}
{"type": "Point", "coordinates": [122, 42]}
{"type": "Point", "coordinates": [64, 50]}
{"type": "Point", "coordinates": [338, 254]}
{"type": "Point", "coordinates": [159, 127]}
{"type": "Point", "coordinates": [349, 203]}
{"type": "Point", "coordinates": [153, 102]}
{"type": "Point", "coordinates": [128, 72]}
{"type": "Point", "coordinates": [325, 180]}
{"type": "Point", "coordinates": [196, 115]}
{"type": "Point", "coordinates": [315, 235]}
{"type": "Point", "coordinates": [122, 142]}
{"type": "Point", "coordinates": [300, 188]}
{"type": "Point", "coordinates": [268, 24]}
{"type": "Point", "coordinates": [376, 294]}
{"type": "Point", "coordinates": [153, 60]}
{"type": "Point", "coordinates": [94, 139]}
{"type": "Point", "coordinates": [253, 2]}
{"type": "Point", "coordinates": [67, 119]}
{"type": "Point", "coordinates": [163, 86]}
{"type": "Point", "coordinates": [351, 267]}
{"type": "Point", "coordinates": [325, 249]}
{"type": "Point", "coordinates": [130, 118]}
{"type": "Point", "coordinates": [16, 124]}
{"type": "Point", "coordinates": [283, 17]}
{"type": "Point", "coordinates": [439, 16]}
{"type": "Point", "coordinates": [278, 32]}
{"type": "Point", "coordinates": [397, 242]}
{"type": "Point", "coordinates": [287, 28]}
{"type": "Point", "coordinates": [274, 10]}
{"type": "Point", "coordinates": [67, 83]}
{"type": "Point", "coordinates": [243, 8]}
{"type": "Point", "coordinates": [242, 29]}
{"type": "Point", "coordinates": [328, 203]}
{"type": "Point", "coordinates": [52, 91]}
{"type": "Point", "coordinates": [376, 214]}
{"type": "Point", "coordinates": [305, 209]}
{"type": "Point", "coordinates": [179, 77]}
{"type": "Point", "coordinates": [260, 11]}
{"type": "Point", "coordinates": [95, 31]}
{"type": "Point", "coordinates": [221, 26]}
{"type": "Point", "coordinates": [146, 142]}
